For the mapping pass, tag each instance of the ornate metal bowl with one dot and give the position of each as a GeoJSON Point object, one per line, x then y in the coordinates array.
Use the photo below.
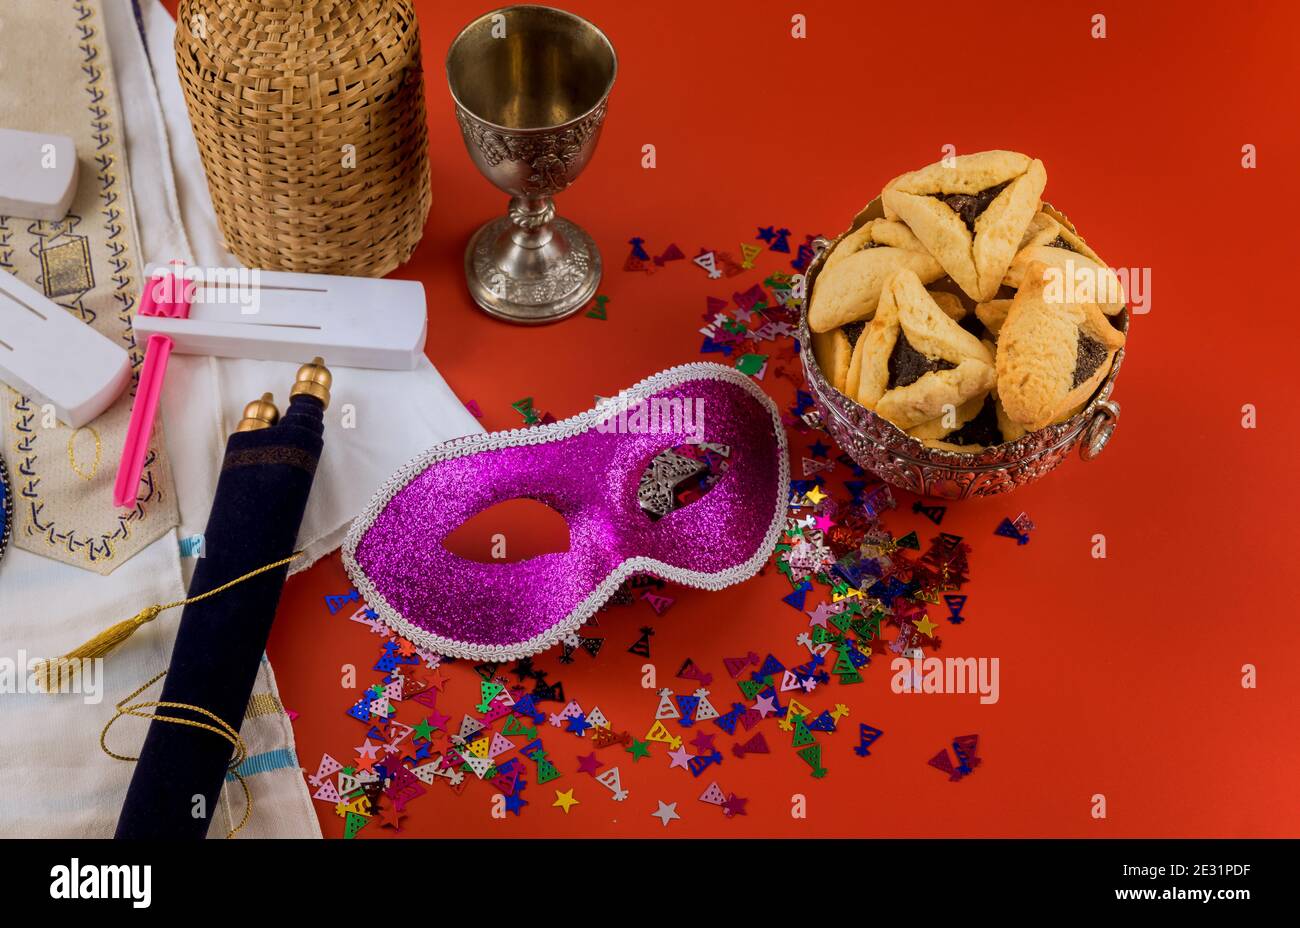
{"type": "Point", "coordinates": [903, 461]}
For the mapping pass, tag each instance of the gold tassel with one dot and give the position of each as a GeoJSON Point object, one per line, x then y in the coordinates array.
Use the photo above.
{"type": "Point", "coordinates": [51, 671]}
{"type": "Point", "coordinates": [48, 672]}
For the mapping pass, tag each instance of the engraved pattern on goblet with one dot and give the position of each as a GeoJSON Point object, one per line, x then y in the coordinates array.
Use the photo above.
{"type": "Point", "coordinates": [531, 219]}
{"type": "Point", "coordinates": [530, 102]}
{"type": "Point", "coordinates": [567, 274]}
{"type": "Point", "coordinates": [549, 156]}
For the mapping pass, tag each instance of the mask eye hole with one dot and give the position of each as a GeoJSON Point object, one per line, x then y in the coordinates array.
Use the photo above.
{"type": "Point", "coordinates": [512, 530]}
{"type": "Point", "coordinates": [680, 475]}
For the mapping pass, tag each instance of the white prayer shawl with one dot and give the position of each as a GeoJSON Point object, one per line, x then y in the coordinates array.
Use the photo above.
{"type": "Point", "coordinates": [54, 780]}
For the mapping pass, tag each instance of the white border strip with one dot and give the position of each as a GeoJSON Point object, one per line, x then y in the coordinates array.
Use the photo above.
{"type": "Point", "coordinates": [543, 434]}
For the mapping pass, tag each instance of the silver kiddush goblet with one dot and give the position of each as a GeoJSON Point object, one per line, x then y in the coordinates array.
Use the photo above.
{"type": "Point", "coordinates": [531, 84]}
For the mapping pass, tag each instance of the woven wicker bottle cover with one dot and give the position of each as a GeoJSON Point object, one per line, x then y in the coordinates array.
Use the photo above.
{"type": "Point", "coordinates": [309, 117]}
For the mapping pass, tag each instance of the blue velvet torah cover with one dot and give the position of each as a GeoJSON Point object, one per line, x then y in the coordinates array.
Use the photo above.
{"type": "Point", "coordinates": [261, 495]}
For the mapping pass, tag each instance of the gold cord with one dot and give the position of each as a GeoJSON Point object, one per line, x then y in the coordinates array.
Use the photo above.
{"type": "Point", "coordinates": [225, 586]}
{"type": "Point", "coordinates": [52, 670]}
{"type": "Point", "coordinates": [222, 728]}
{"type": "Point", "coordinates": [109, 639]}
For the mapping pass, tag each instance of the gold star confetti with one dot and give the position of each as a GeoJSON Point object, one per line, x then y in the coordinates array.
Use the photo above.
{"type": "Point", "coordinates": [565, 800]}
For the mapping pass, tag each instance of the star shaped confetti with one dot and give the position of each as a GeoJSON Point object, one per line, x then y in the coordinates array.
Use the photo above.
{"type": "Point", "coordinates": [666, 813]}
{"type": "Point", "coordinates": [703, 743]}
{"type": "Point", "coordinates": [564, 800]}
{"type": "Point", "coordinates": [734, 806]}
{"type": "Point", "coordinates": [680, 758]}
{"type": "Point", "coordinates": [391, 817]}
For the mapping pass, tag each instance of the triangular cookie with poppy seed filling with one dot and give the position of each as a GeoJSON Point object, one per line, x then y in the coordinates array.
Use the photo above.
{"type": "Point", "coordinates": [971, 213]}
{"type": "Point", "coordinates": [1056, 245]}
{"type": "Point", "coordinates": [993, 314]}
{"type": "Point", "coordinates": [832, 351]}
{"type": "Point", "coordinates": [949, 303]}
{"type": "Point", "coordinates": [915, 359]}
{"type": "Point", "coordinates": [848, 287]}
{"type": "Point", "coordinates": [1051, 355]}
{"type": "Point", "coordinates": [952, 420]}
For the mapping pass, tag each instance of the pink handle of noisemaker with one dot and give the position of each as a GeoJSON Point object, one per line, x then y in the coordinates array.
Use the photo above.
{"type": "Point", "coordinates": [167, 295]}
{"type": "Point", "coordinates": [157, 350]}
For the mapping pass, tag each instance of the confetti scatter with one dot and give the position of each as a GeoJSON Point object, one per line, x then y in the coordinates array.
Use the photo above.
{"type": "Point", "coordinates": [709, 262]}
{"type": "Point", "coordinates": [776, 240]}
{"type": "Point", "coordinates": [671, 253]}
{"type": "Point", "coordinates": [934, 513]}
{"type": "Point", "coordinates": [963, 748]}
{"type": "Point", "coordinates": [335, 603]}
{"type": "Point", "coordinates": [1017, 528]}
{"type": "Point", "coordinates": [432, 729]}
{"type": "Point", "coordinates": [525, 408]}
{"type": "Point", "coordinates": [867, 735]}
{"type": "Point", "coordinates": [641, 647]}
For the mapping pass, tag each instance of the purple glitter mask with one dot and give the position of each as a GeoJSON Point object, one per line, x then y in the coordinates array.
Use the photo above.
{"type": "Point", "coordinates": [589, 469]}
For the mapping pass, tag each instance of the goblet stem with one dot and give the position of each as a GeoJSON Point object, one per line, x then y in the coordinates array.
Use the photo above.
{"type": "Point", "coordinates": [532, 266]}
{"type": "Point", "coordinates": [532, 217]}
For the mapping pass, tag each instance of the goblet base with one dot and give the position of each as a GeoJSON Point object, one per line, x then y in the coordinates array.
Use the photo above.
{"type": "Point", "coordinates": [531, 285]}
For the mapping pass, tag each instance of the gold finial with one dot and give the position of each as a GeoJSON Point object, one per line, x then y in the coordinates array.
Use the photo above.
{"type": "Point", "coordinates": [259, 414]}
{"type": "Point", "coordinates": [314, 379]}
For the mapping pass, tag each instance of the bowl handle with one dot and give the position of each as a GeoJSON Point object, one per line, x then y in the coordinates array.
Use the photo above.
{"type": "Point", "coordinates": [1098, 431]}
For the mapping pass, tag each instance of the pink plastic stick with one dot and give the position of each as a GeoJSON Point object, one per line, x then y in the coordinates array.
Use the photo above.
{"type": "Point", "coordinates": [156, 352]}
{"type": "Point", "coordinates": [164, 295]}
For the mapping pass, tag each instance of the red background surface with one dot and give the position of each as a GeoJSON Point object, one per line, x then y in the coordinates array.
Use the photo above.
{"type": "Point", "coordinates": [1119, 676]}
